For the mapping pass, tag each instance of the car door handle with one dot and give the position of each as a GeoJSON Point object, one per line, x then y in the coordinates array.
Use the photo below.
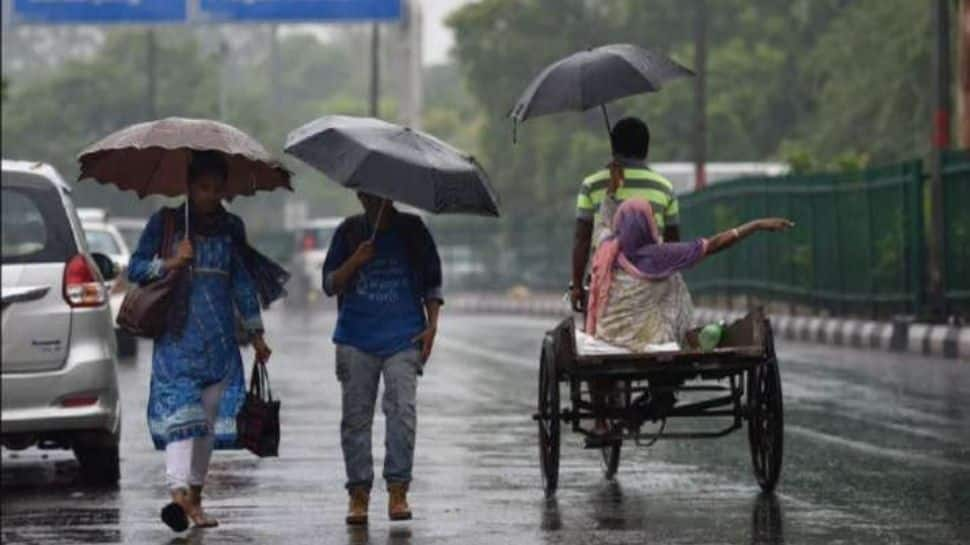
{"type": "Point", "coordinates": [23, 294]}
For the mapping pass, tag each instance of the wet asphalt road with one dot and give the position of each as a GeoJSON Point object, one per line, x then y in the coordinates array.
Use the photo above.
{"type": "Point", "coordinates": [877, 452]}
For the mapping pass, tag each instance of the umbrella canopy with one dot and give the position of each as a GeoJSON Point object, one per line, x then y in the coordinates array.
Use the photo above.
{"type": "Point", "coordinates": [152, 158]}
{"type": "Point", "coordinates": [396, 163]}
{"type": "Point", "coordinates": [595, 77]}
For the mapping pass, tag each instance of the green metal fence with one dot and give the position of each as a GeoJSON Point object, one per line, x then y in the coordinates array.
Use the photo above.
{"type": "Point", "coordinates": [956, 231]}
{"type": "Point", "coordinates": [857, 248]}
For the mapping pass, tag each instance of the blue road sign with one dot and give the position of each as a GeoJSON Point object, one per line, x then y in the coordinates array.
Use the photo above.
{"type": "Point", "coordinates": [98, 12]}
{"type": "Point", "coordinates": [299, 10]}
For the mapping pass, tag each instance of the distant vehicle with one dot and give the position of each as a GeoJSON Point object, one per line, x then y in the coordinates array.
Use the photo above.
{"type": "Point", "coordinates": [311, 240]}
{"type": "Point", "coordinates": [96, 215]}
{"type": "Point", "coordinates": [462, 267]}
{"type": "Point", "coordinates": [58, 371]}
{"type": "Point", "coordinates": [105, 238]}
{"type": "Point", "coordinates": [130, 229]}
{"type": "Point", "coordinates": [681, 174]}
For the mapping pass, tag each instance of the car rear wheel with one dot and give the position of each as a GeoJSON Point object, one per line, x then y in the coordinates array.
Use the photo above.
{"type": "Point", "coordinates": [99, 458]}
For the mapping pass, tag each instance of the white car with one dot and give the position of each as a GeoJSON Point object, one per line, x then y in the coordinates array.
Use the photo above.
{"type": "Point", "coordinates": [105, 238]}
{"type": "Point", "coordinates": [59, 369]}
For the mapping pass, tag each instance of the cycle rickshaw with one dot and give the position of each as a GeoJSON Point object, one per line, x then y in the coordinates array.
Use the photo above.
{"type": "Point", "coordinates": [738, 380]}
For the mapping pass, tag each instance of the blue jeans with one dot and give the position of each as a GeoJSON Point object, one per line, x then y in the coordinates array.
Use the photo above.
{"type": "Point", "coordinates": [359, 374]}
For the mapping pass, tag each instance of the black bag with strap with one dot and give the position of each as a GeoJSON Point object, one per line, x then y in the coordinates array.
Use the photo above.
{"type": "Point", "coordinates": [145, 309]}
{"type": "Point", "coordinates": [258, 421]}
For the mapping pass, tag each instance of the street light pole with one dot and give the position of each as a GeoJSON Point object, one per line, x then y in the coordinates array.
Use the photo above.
{"type": "Point", "coordinates": [375, 69]}
{"type": "Point", "coordinates": [964, 63]}
{"type": "Point", "coordinates": [700, 95]}
{"type": "Point", "coordinates": [151, 74]}
{"type": "Point", "coordinates": [941, 141]}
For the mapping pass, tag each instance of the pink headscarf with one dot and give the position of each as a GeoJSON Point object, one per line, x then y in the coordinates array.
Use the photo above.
{"type": "Point", "coordinates": [637, 248]}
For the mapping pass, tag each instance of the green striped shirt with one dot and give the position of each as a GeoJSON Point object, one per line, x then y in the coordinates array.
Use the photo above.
{"type": "Point", "coordinates": [639, 183]}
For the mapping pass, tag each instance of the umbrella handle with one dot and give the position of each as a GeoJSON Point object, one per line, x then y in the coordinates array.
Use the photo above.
{"type": "Point", "coordinates": [606, 118]}
{"type": "Point", "coordinates": [186, 217]}
{"type": "Point", "coordinates": [380, 216]}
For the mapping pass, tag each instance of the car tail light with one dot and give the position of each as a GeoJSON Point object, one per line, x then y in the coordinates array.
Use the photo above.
{"type": "Point", "coordinates": [309, 242]}
{"type": "Point", "coordinates": [79, 400]}
{"type": "Point", "coordinates": [82, 283]}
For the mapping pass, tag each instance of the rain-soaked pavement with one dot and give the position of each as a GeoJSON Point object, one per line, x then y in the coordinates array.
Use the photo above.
{"type": "Point", "coordinates": [877, 452]}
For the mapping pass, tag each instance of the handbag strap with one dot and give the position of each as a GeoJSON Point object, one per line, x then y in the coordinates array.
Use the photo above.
{"type": "Point", "coordinates": [168, 233]}
{"type": "Point", "coordinates": [259, 382]}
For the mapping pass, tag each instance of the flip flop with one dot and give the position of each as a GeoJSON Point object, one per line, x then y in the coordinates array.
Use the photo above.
{"type": "Point", "coordinates": [174, 517]}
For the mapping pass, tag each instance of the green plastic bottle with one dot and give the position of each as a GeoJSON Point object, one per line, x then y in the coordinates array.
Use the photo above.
{"type": "Point", "coordinates": [710, 336]}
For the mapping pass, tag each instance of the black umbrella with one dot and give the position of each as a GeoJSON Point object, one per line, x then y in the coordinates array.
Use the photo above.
{"type": "Point", "coordinates": [595, 77]}
{"type": "Point", "coordinates": [394, 162]}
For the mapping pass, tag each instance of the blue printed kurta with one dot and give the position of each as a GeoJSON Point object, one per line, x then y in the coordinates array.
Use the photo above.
{"type": "Point", "coordinates": [206, 352]}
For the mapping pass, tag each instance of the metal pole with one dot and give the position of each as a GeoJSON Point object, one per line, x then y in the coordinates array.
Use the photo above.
{"type": "Point", "coordinates": [375, 69]}
{"type": "Point", "coordinates": [700, 95]}
{"type": "Point", "coordinates": [223, 77]}
{"type": "Point", "coordinates": [151, 55]}
{"type": "Point", "coordinates": [964, 51]}
{"type": "Point", "coordinates": [274, 69]}
{"type": "Point", "coordinates": [606, 119]}
{"type": "Point", "coordinates": [941, 141]}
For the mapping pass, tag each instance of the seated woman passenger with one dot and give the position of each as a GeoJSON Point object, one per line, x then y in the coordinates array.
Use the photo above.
{"type": "Point", "coordinates": [637, 297]}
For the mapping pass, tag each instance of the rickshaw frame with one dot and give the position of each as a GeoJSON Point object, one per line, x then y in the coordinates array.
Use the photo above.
{"type": "Point", "coordinates": [745, 359]}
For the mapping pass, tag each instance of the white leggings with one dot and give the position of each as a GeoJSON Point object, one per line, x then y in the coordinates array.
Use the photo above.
{"type": "Point", "coordinates": [187, 461]}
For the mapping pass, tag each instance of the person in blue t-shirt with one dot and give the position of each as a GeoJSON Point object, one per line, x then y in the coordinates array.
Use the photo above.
{"type": "Point", "coordinates": [384, 268]}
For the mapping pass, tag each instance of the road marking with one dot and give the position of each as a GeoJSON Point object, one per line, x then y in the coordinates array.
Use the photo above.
{"type": "Point", "coordinates": [869, 448]}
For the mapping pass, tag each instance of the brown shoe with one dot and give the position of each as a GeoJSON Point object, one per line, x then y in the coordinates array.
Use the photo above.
{"type": "Point", "coordinates": [357, 512]}
{"type": "Point", "coordinates": [397, 501]}
{"type": "Point", "coordinates": [199, 517]}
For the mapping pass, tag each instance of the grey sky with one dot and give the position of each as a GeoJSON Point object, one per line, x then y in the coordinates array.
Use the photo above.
{"type": "Point", "coordinates": [437, 38]}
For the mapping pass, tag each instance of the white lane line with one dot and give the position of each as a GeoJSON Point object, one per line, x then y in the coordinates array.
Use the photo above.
{"type": "Point", "coordinates": [496, 356]}
{"type": "Point", "coordinates": [869, 448]}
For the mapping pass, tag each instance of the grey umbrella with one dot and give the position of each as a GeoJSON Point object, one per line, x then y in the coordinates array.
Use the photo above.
{"type": "Point", "coordinates": [595, 77]}
{"type": "Point", "coordinates": [394, 162]}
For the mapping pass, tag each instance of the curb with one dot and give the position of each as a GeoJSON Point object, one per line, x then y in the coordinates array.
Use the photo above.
{"type": "Point", "coordinates": [943, 341]}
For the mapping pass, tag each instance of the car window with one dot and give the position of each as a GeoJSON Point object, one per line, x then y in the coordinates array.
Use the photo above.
{"type": "Point", "coordinates": [35, 227]}
{"type": "Point", "coordinates": [101, 241]}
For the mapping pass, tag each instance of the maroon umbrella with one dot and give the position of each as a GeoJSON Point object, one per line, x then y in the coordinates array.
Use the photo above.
{"type": "Point", "coordinates": [152, 158]}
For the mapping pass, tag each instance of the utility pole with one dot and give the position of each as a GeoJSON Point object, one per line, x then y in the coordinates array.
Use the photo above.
{"type": "Point", "coordinates": [700, 95]}
{"type": "Point", "coordinates": [408, 61]}
{"type": "Point", "coordinates": [964, 52]}
{"type": "Point", "coordinates": [274, 71]}
{"type": "Point", "coordinates": [375, 69]}
{"type": "Point", "coordinates": [941, 142]}
{"type": "Point", "coordinates": [151, 74]}
{"type": "Point", "coordinates": [223, 78]}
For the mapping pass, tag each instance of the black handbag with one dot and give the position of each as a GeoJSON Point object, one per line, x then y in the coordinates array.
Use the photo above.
{"type": "Point", "coordinates": [145, 309]}
{"type": "Point", "coordinates": [258, 421]}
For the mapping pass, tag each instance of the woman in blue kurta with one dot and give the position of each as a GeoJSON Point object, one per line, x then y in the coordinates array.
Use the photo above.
{"type": "Point", "coordinates": [197, 382]}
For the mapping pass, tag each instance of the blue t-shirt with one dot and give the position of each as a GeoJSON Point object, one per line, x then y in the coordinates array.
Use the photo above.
{"type": "Point", "coordinates": [380, 314]}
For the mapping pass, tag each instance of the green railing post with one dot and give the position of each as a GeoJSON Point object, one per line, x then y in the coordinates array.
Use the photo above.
{"type": "Point", "coordinates": [917, 264]}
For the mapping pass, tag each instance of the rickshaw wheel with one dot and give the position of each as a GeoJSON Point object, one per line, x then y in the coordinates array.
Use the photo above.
{"type": "Point", "coordinates": [549, 419]}
{"type": "Point", "coordinates": [611, 459]}
{"type": "Point", "coordinates": [766, 419]}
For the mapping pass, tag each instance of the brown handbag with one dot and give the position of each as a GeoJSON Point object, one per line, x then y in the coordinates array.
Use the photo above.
{"type": "Point", "coordinates": [145, 309]}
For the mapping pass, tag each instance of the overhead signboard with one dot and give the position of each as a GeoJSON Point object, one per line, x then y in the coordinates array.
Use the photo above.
{"type": "Point", "coordinates": [101, 12]}
{"type": "Point", "coordinates": [299, 10]}
{"type": "Point", "coordinates": [98, 12]}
